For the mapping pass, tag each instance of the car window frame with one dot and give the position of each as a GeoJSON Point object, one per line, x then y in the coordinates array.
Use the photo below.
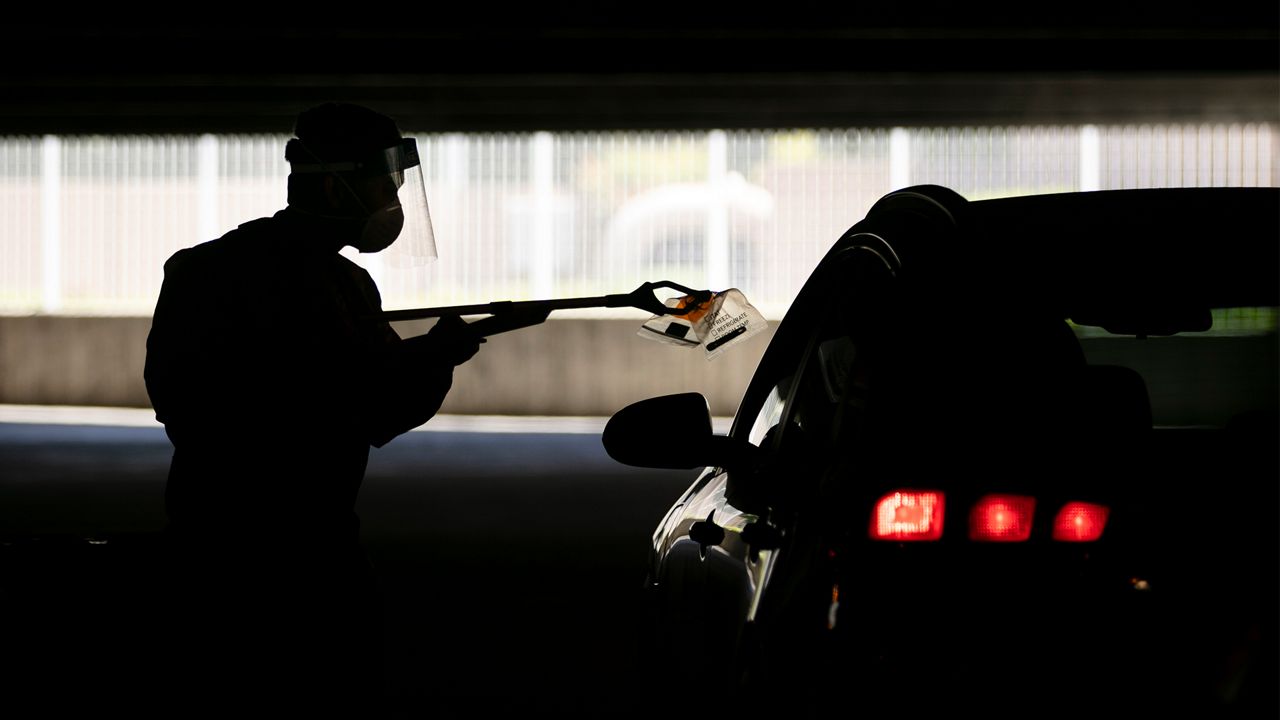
{"type": "Point", "coordinates": [797, 338]}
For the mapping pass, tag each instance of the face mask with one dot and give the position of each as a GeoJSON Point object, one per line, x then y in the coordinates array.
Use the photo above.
{"type": "Point", "coordinates": [380, 229]}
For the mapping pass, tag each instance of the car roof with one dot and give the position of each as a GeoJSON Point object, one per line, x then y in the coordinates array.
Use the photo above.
{"type": "Point", "coordinates": [1131, 261]}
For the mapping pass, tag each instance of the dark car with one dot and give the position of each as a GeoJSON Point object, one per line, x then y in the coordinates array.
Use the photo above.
{"type": "Point", "coordinates": [1016, 457]}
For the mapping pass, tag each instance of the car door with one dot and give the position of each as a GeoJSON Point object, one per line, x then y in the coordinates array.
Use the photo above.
{"type": "Point", "coordinates": [718, 549]}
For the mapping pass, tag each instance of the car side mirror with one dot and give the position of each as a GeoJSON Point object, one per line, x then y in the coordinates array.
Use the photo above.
{"type": "Point", "coordinates": [672, 432]}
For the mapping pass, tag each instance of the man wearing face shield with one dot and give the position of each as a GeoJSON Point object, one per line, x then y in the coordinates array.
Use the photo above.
{"type": "Point", "coordinates": [272, 384]}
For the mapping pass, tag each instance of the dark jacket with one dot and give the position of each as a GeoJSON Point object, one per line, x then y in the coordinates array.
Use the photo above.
{"type": "Point", "coordinates": [272, 383]}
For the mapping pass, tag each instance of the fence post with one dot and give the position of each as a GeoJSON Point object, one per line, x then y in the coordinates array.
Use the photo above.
{"type": "Point", "coordinates": [1090, 159]}
{"type": "Point", "coordinates": [543, 262]}
{"type": "Point", "coordinates": [51, 224]}
{"type": "Point", "coordinates": [717, 248]}
{"type": "Point", "coordinates": [207, 172]}
{"type": "Point", "coordinates": [899, 158]}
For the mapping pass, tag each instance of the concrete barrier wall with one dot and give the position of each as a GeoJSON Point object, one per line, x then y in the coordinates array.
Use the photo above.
{"type": "Point", "coordinates": [596, 367]}
{"type": "Point", "coordinates": [46, 360]}
{"type": "Point", "coordinates": [563, 367]}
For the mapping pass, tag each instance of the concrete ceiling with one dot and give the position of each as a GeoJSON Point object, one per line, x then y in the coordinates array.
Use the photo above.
{"type": "Point", "coordinates": [573, 66]}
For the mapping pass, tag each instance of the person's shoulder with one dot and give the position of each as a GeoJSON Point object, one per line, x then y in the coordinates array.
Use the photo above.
{"type": "Point", "coordinates": [227, 248]}
{"type": "Point", "coordinates": [354, 268]}
{"type": "Point", "coordinates": [247, 237]}
{"type": "Point", "coordinates": [193, 260]}
{"type": "Point", "coordinates": [362, 278]}
{"type": "Point", "coordinates": [189, 259]}
{"type": "Point", "coordinates": [351, 265]}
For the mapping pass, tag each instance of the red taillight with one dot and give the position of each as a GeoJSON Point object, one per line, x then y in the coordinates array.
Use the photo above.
{"type": "Point", "coordinates": [1080, 522]}
{"type": "Point", "coordinates": [1002, 518]}
{"type": "Point", "coordinates": [908, 515]}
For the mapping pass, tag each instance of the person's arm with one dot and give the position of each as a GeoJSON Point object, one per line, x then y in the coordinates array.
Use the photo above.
{"type": "Point", "coordinates": [179, 351]}
{"type": "Point", "coordinates": [410, 378]}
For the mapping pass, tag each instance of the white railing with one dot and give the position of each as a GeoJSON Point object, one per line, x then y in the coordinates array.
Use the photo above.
{"type": "Point", "coordinates": [87, 222]}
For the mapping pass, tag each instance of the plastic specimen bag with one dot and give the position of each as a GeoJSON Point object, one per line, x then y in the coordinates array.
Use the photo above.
{"type": "Point", "coordinates": [715, 325]}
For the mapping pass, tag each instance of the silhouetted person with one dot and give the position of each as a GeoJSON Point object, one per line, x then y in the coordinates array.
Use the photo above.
{"type": "Point", "coordinates": [272, 383]}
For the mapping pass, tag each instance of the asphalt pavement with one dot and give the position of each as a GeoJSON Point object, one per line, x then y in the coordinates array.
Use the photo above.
{"type": "Point", "coordinates": [510, 554]}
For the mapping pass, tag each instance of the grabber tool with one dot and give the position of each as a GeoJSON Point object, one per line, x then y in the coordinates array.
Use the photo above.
{"type": "Point", "coordinates": [506, 315]}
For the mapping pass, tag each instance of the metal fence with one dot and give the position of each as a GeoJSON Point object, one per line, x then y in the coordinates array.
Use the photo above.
{"type": "Point", "coordinates": [87, 222]}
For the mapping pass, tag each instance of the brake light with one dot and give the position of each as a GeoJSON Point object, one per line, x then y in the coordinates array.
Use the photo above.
{"type": "Point", "coordinates": [1080, 522]}
{"type": "Point", "coordinates": [1002, 518]}
{"type": "Point", "coordinates": [908, 515]}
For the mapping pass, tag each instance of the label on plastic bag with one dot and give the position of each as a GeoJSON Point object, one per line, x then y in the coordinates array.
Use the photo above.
{"type": "Point", "coordinates": [720, 323]}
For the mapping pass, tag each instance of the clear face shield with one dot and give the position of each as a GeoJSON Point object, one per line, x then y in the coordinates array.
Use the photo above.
{"type": "Point", "coordinates": [390, 181]}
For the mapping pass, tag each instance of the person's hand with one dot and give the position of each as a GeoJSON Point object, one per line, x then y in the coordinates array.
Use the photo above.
{"type": "Point", "coordinates": [452, 341]}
